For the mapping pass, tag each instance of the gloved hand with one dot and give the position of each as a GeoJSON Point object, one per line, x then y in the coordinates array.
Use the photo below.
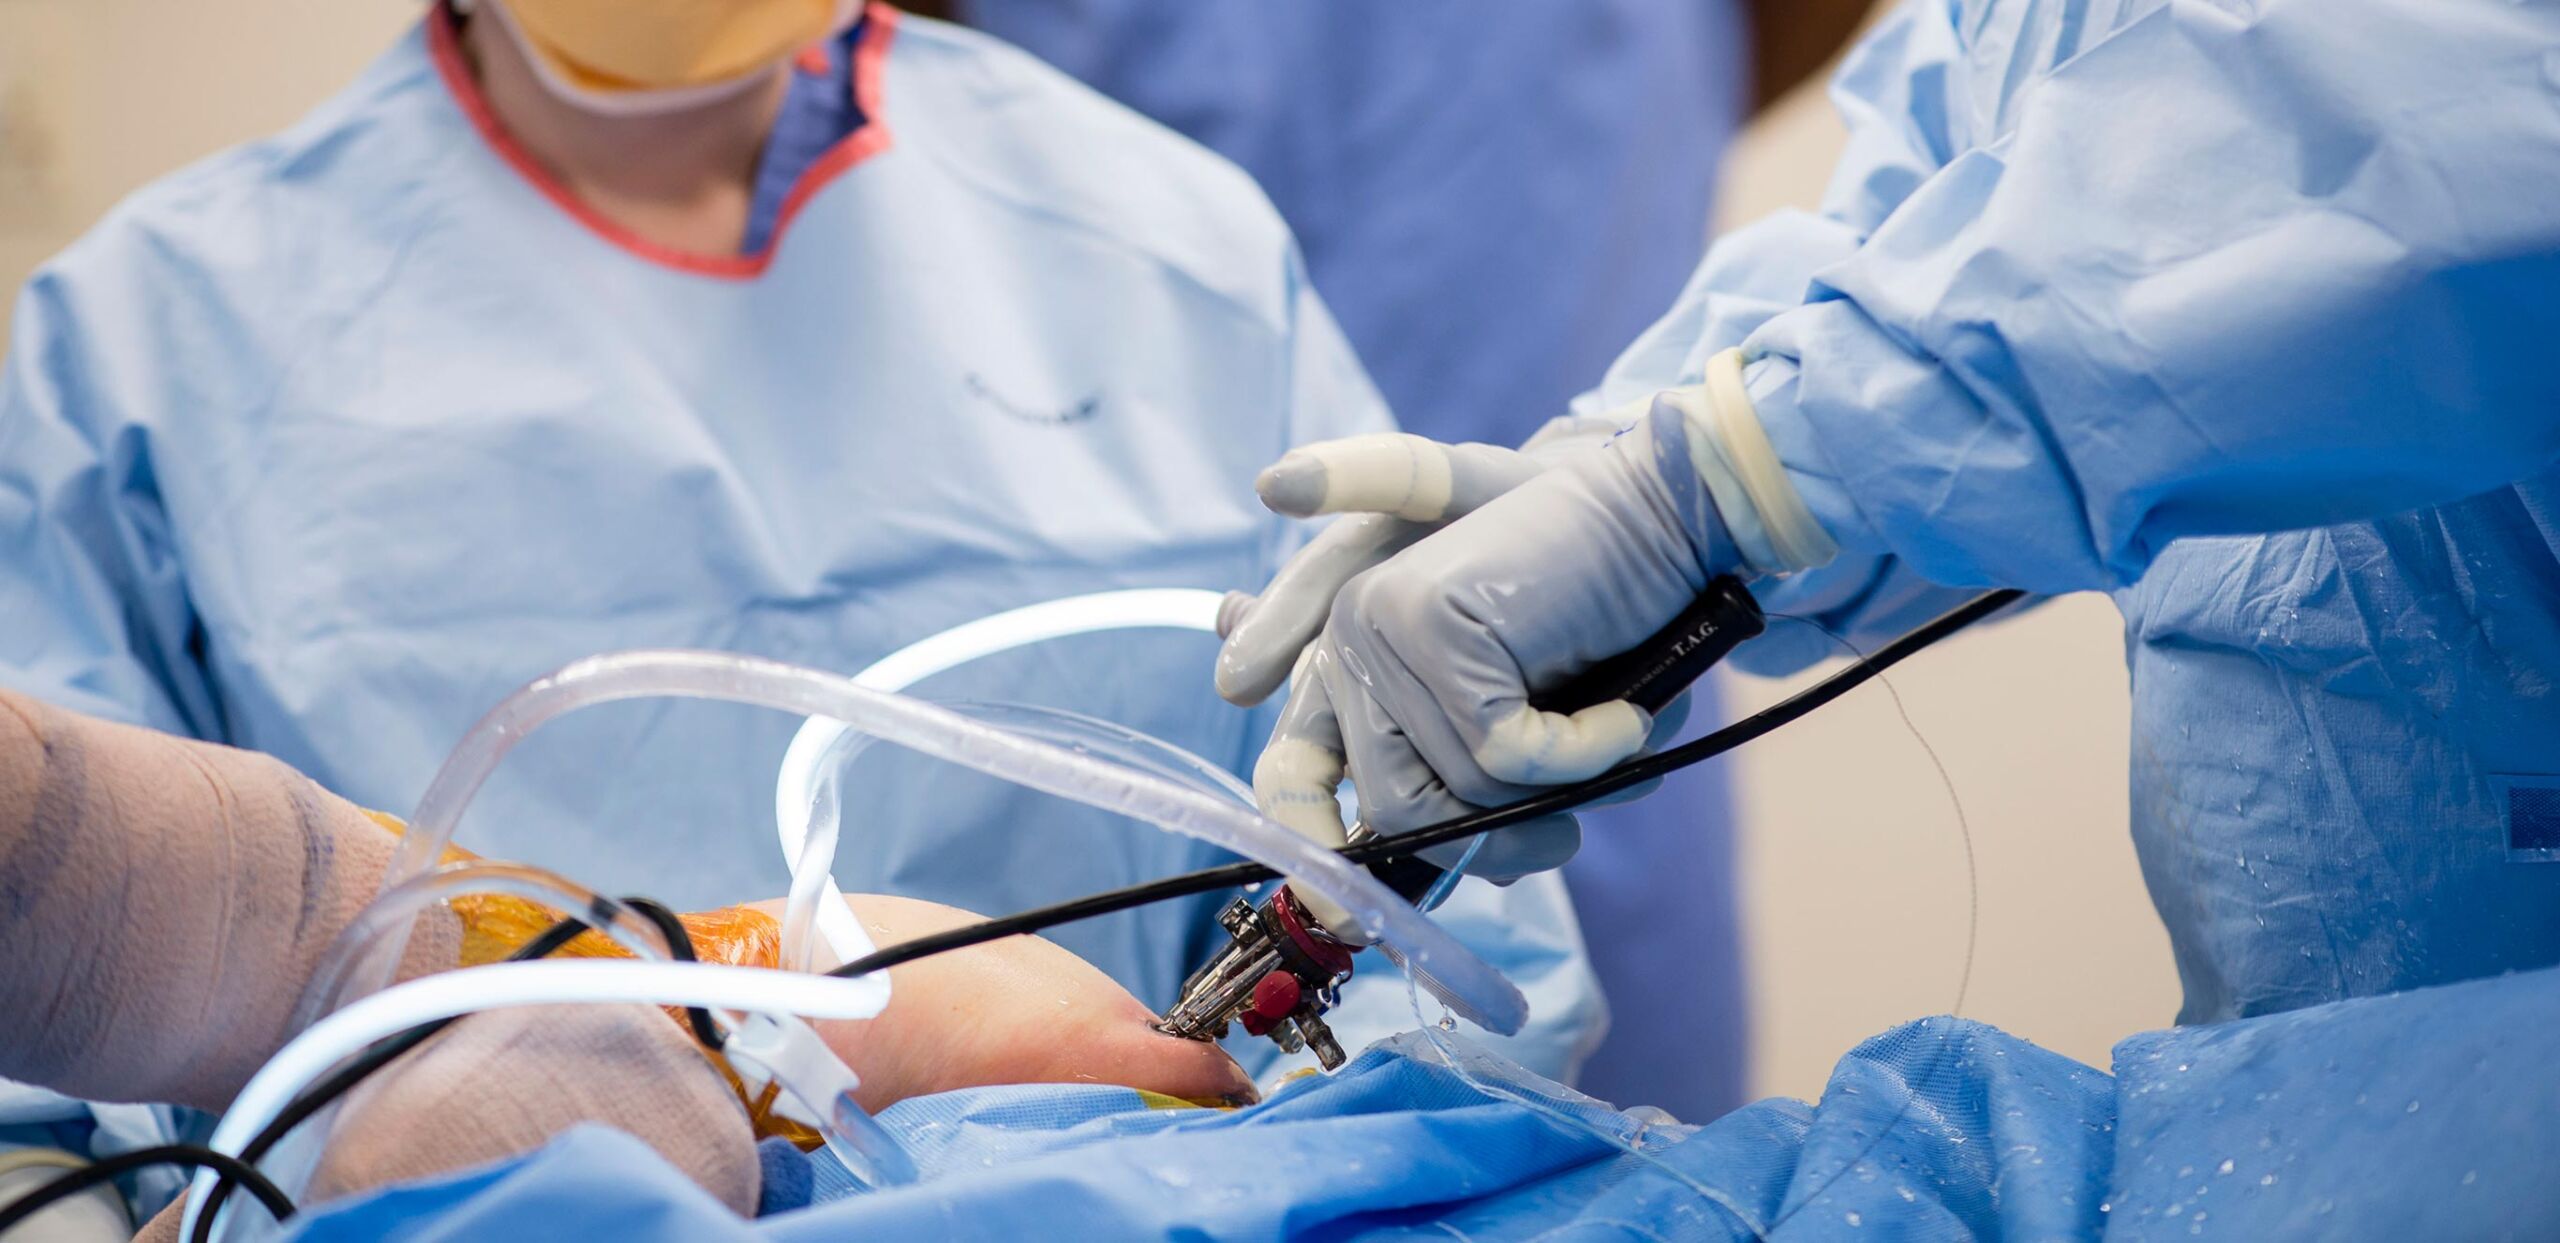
{"type": "Point", "coordinates": [1395, 489]}
{"type": "Point", "coordinates": [1421, 679]}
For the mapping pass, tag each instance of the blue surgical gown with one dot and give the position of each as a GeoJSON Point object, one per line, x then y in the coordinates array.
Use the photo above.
{"type": "Point", "coordinates": [1493, 202]}
{"type": "Point", "coordinates": [2241, 311]}
{"type": "Point", "coordinates": [323, 446]}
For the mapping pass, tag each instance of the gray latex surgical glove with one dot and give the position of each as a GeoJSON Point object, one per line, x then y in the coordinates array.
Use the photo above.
{"type": "Point", "coordinates": [1393, 489]}
{"type": "Point", "coordinates": [1419, 685]}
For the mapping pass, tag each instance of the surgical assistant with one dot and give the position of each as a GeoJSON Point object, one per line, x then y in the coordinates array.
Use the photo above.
{"type": "Point", "coordinates": [2238, 311]}
{"type": "Point", "coordinates": [324, 445]}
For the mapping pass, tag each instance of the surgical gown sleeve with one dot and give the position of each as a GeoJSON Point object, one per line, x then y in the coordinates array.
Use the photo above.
{"type": "Point", "coordinates": [2236, 268]}
{"type": "Point", "coordinates": [94, 610]}
{"type": "Point", "coordinates": [1926, 83]}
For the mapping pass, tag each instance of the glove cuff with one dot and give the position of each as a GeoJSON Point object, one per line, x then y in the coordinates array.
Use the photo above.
{"type": "Point", "coordinates": [1728, 450]}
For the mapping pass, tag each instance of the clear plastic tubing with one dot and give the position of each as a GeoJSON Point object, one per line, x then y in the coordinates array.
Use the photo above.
{"type": "Point", "coordinates": [1168, 608]}
{"type": "Point", "coordinates": [815, 910]}
{"type": "Point", "coordinates": [942, 734]}
{"type": "Point", "coordinates": [816, 906]}
{"type": "Point", "coordinates": [500, 986]}
{"type": "Point", "coordinates": [816, 903]}
{"type": "Point", "coordinates": [824, 746]}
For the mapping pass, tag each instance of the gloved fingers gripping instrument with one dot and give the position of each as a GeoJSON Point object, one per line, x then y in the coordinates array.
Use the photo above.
{"type": "Point", "coordinates": [1510, 651]}
{"type": "Point", "coordinates": [1282, 967]}
{"type": "Point", "coordinates": [1391, 489]}
{"type": "Point", "coordinates": [1424, 678]}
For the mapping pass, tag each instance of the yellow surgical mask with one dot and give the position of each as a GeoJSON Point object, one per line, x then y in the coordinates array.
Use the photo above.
{"type": "Point", "coordinates": [647, 56]}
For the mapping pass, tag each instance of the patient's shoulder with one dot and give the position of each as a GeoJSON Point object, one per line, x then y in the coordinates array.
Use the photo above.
{"type": "Point", "coordinates": [1012, 127]}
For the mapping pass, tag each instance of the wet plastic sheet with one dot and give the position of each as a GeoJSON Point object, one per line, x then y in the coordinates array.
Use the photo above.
{"type": "Point", "coordinates": [2426, 1114]}
{"type": "Point", "coordinates": [2430, 1114]}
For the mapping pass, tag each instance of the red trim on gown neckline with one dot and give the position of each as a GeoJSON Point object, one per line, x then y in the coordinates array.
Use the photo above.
{"type": "Point", "coordinates": [870, 53]}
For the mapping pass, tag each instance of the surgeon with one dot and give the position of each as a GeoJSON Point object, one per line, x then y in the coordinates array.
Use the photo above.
{"type": "Point", "coordinates": [2240, 312]}
{"type": "Point", "coordinates": [1492, 208]}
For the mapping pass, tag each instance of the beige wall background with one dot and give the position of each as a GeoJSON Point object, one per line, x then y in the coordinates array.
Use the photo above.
{"type": "Point", "coordinates": [1854, 871]}
{"type": "Point", "coordinates": [99, 96]}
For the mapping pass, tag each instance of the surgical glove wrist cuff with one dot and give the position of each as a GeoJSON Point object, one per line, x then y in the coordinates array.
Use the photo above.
{"type": "Point", "coordinates": [1728, 451]}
